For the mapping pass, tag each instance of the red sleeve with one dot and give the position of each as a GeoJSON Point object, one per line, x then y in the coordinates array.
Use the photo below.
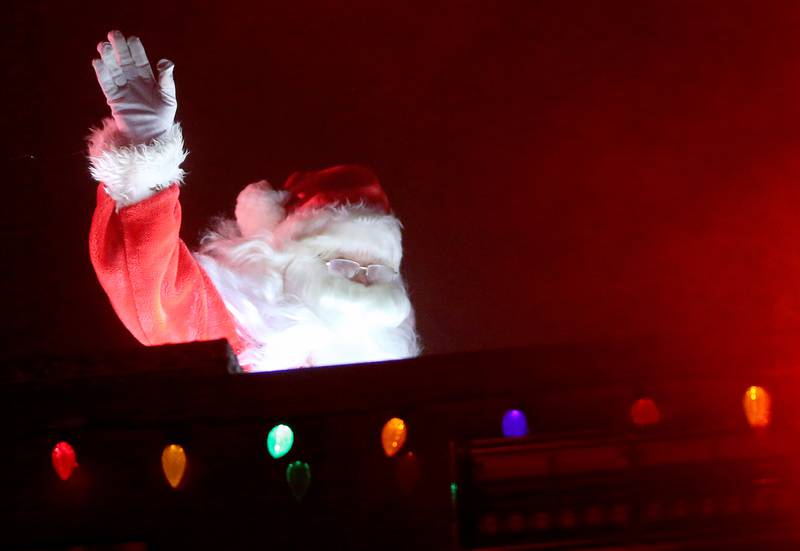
{"type": "Point", "coordinates": [156, 286]}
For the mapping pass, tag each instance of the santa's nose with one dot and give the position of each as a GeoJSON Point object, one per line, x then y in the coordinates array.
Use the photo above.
{"type": "Point", "coordinates": [360, 277]}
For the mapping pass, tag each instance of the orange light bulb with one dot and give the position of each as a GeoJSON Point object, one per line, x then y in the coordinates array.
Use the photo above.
{"type": "Point", "coordinates": [393, 436]}
{"type": "Point", "coordinates": [757, 405]}
{"type": "Point", "coordinates": [173, 463]}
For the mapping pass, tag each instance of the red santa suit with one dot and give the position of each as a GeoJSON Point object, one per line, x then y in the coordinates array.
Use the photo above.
{"type": "Point", "coordinates": [155, 284]}
{"type": "Point", "coordinates": [163, 294]}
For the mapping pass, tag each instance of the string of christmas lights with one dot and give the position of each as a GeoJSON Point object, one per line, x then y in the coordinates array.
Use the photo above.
{"type": "Point", "coordinates": [644, 412]}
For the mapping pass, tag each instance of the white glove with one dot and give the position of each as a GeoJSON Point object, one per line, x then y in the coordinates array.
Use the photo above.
{"type": "Point", "coordinates": [142, 108]}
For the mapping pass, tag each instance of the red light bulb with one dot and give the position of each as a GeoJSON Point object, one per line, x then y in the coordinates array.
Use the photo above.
{"type": "Point", "coordinates": [64, 462]}
{"type": "Point", "coordinates": [644, 411]}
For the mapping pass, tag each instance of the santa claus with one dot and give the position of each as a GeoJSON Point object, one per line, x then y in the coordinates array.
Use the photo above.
{"type": "Point", "coordinates": [305, 275]}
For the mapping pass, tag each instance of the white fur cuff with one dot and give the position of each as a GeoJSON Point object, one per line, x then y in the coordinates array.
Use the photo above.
{"type": "Point", "coordinates": [131, 173]}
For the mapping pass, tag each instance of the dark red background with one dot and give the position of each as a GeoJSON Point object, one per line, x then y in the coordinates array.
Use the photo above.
{"type": "Point", "coordinates": [566, 171]}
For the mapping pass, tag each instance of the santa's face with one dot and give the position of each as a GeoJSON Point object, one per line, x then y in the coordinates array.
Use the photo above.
{"type": "Point", "coordinates": [344, 303]}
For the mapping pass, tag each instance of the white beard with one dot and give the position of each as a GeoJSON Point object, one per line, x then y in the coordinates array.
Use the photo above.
{"type": "Point", "coordinates": [291, 312]}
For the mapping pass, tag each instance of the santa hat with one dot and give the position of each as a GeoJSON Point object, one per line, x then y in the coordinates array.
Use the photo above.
{"type": "Point", "coordinates": [342, 208]}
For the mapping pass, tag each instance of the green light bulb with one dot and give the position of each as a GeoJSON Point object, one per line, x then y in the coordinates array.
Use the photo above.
{"type": "Point", "coordinates": [298, 475]}
{"type": "Point", "coordinates": [279, 441]}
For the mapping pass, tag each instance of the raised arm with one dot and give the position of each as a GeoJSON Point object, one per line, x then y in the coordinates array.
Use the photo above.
{"type": "Point", "coordinates": [155, 285]}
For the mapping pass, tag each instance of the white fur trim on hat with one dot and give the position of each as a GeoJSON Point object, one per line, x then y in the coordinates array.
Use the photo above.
{"type": "Point", "coordinates": [259, 208]}
{"type": "Point", "coordinates": [131, 173]}
{"type": "Point", "coordinates": [354, 231]}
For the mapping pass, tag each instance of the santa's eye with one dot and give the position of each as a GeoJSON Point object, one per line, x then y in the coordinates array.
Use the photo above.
{"type": "Point", "coordinates": [343, 267]}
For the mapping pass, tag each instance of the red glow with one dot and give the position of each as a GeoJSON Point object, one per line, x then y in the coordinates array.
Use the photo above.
{"type": "Point", "coordinates": [407, 471]}
{"type": "Point", "coordinates": [645, 412]}
{"type": "Point", "coordinates": [64, 461]}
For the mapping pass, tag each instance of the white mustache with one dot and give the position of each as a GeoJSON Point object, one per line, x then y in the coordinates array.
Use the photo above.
{"type": "Point", "coordinates": [337, 300]}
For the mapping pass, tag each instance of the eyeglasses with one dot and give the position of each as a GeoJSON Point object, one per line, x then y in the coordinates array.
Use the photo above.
{"type": "Point", "coordinates": [376, 273]}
